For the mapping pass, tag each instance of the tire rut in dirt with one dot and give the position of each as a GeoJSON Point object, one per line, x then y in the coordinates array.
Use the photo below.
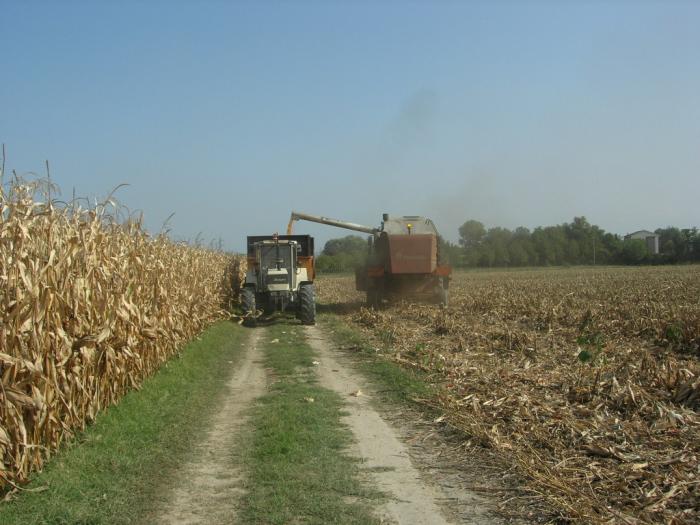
{"type": "Point", "coordinates": [208, 488]}
{"type": "Point", "coordinates": [412, 500]}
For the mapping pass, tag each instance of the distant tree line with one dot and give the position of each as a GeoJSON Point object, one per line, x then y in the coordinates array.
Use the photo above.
{"type": "Point", "coordinates": [574, 243]}
{"type": "Point", "coordinates": [342, 255]}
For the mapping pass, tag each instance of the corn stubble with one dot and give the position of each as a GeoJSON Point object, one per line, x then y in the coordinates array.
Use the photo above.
{"type": "Point", "coordinates": [587, 381]}
{"type": "Point", "coordinates": [89, 307]}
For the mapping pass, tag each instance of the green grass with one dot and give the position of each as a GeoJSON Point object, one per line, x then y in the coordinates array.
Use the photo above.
{"type": "Point", "coordinates": [298, 467]}
{"type": "Point", "coordinates": [396, 383]}
{"type": "Point", "coordinates": [112, 472]}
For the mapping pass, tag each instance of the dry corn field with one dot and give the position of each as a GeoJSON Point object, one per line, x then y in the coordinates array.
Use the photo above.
{"type": "Point", "coordinates": [587, 381]}
{"type": "Point", "coordinates": [89, 307]}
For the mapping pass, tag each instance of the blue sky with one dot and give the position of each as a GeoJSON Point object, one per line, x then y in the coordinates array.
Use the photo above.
{"type": "Point", "coordinates": [232, 114]}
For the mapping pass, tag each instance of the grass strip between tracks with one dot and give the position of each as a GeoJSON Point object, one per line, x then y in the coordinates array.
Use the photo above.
{"type": "Point", "coordinates": [111, 472]}
{"type": "Point", "coordinates": [299, 470]}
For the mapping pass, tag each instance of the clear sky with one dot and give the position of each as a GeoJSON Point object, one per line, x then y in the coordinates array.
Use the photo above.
{"type": "Point", "coordinates": [233, 114]}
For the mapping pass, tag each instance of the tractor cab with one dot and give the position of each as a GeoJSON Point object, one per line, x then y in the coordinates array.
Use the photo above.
{"type": "Point", "coordinates": [280, 276]}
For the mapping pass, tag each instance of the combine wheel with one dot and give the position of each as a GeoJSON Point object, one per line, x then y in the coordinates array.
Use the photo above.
{"type": "Point", "coordinates": [375, 293]}
{"type": "Point", "coordinates": [443, 296]}
{"type": "Point", "coordinates": [307, 304]}
{"type": "Point", "coordinates": [373, 299]}
{"type": "Point", "coordinates": [442, 293]}
{"type": "Point", "coordinates": [445, 299]}
{"type": "Point", "coordinates": [248, 305]}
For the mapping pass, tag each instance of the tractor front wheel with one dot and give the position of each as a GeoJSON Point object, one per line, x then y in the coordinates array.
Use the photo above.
{"type": "Point", "coordinates": [307, 304]}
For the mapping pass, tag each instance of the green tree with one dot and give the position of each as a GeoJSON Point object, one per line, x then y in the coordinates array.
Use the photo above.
{"type": "Point", "coordinates": [672, 243]}
{"type": "Point", "coordinates": [350, 244]}
{"type": "Point", "coordinates": [577, 242]}
{"type": "Point", "coordinates": [551, 244]}
{"type": "Point", "coordinates": [450, 253]}
{"type": "Point", "coordinates": [573, 252]}
{"type": "Point", "coordinates": [694, 245]}
{"type": "Point", "coordinates": [342, 255]}
{"type": "Point", "coordinates": [611, 249]}
{"type": "Point", "coordinates": [499, 239]}
{"type": "Point", "coordinates": [486, 256]}
{"type": "Point", "coordinates": [471, 233]}
{"type": "Point", "coordinates": [634, 251]}
{"type": "Point", "coordinates": [518, 254]}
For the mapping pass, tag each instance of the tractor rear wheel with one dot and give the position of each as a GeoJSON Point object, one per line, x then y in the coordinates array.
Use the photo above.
{"type": "Point", "coordinates": [248, 305]}
{"type": "Point", "coordinates": [307, 304]}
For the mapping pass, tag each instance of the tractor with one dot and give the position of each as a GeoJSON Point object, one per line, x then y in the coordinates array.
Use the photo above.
{"type": "Point", "coordinates": [280, 277]}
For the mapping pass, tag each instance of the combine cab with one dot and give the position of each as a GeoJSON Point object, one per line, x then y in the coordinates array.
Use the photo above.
{"type": "Point", "coordinates": [403, 259]}
{"type": "Point", "coordinates": [280, 276]}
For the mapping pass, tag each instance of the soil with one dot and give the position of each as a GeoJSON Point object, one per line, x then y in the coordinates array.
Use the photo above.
{"type": "Point", "coordinates": [208, 487]}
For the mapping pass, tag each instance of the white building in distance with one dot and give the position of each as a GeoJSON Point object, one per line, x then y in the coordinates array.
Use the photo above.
{"type": "Point", "coordinates": [651, 238]}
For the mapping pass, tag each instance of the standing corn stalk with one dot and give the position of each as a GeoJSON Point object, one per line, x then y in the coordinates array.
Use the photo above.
{"type": "Point", "coordinates": [89, 307]}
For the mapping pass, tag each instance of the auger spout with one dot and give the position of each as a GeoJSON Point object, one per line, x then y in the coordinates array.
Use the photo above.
{"type": "Point", "coordinates": [296, 216]}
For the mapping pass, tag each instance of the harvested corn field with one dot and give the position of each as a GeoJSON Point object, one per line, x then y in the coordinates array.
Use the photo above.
{"type": "Point", "coordinates": [587, 381]}
{"type": "Point", "coordinates": [90, 305]}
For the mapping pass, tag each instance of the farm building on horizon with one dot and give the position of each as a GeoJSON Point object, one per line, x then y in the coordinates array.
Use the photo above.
{"type": "Point", "coordinates": [651, 238]}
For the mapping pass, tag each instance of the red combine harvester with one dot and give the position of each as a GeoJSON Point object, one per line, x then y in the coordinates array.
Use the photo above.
{"type": "Point", "coordinates": [403, 258]}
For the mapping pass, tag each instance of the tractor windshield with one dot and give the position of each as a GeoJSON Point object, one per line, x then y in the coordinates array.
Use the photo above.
{"type": "Point", "coordinates": [271, 255]}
